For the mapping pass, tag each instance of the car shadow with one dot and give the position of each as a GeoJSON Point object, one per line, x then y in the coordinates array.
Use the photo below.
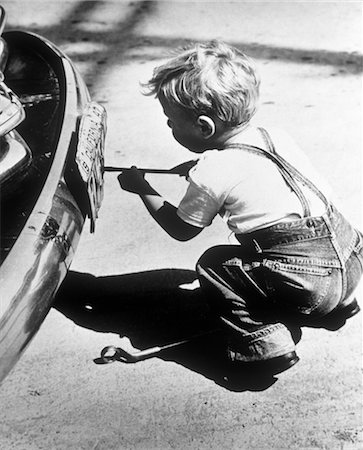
{"type": "Point", "coordinates": [156, 308]}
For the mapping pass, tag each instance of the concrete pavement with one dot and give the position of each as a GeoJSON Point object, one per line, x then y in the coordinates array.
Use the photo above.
{"type": "Point", "coordinates": [125, 280]}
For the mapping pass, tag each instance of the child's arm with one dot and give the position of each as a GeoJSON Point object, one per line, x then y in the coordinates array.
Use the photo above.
{"type": "Point", "coordinates": [163, 212]}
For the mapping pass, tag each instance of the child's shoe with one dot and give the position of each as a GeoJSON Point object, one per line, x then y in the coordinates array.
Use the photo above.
{"type": "Point", "coordinates": [270, 366]}
{"type": "Point", "coordinates": [338, 317]}
{"type": "Point", "coordinates": [269, 350]}
{"type": "Point", "coordinates": [256, 375]}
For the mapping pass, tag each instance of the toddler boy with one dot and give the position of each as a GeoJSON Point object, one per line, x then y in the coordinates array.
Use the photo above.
{"type": "Point", "coordinates": [297, 260]}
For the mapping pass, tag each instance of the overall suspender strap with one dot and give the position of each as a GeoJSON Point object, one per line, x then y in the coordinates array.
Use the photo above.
{"type": "Point", "coordinates": [292, 170]}
{"type": "Point", "coordinates": [289, 180]}
{"type": "Point", "coordinates": [289, 172]}
{"type": "Point", "coordinates": [286, 174]}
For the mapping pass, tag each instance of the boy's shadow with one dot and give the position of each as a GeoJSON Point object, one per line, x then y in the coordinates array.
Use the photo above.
{"type": "Point", "coordinates": [153, 308]}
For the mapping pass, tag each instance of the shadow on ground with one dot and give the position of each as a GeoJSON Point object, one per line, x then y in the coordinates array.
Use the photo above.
{"type": "Point", "coordinates": [123, 42]}
{"type": "Point", "coordinates": [151, 309]}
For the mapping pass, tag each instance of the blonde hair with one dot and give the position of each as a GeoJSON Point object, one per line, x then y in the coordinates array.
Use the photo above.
{"type": "Point", "coordinates": [211, 78]}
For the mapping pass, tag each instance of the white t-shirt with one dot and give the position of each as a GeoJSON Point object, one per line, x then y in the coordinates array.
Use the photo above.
{"type": "Point", "coordinates": [247, 189]}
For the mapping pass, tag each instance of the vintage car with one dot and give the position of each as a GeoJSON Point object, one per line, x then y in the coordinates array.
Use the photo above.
{"type": "Point", "coordinates": [51, 174]}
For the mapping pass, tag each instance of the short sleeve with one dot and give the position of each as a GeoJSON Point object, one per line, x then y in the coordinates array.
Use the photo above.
{"type": "Point", "coordinates": [197, 207]}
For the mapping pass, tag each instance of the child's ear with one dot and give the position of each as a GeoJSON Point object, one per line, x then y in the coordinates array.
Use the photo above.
{"type": "Point", "coordinates": [207, 126]}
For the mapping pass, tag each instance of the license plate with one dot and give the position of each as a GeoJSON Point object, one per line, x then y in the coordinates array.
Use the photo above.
{"type": "Point", "coordinates": [90, 155]}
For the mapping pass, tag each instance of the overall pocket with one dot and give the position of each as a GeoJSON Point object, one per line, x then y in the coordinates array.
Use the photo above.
{"type": "Point", "coordinates": [303, 289]}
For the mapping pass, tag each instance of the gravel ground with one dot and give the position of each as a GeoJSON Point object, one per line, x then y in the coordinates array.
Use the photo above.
{"type": "Point", "coordinates": [126, 282]}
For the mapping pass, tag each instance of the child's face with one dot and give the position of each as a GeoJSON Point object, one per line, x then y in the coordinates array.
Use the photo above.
{"type": "Point", "coordinates": [184, 126]}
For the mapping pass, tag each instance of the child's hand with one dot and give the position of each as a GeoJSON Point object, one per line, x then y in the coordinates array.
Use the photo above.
{"type": "Point", "coordinates": [132, 180]}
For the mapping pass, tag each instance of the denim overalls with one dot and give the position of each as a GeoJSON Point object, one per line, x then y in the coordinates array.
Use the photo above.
{"type": "Point", "coordinates": [280, 278]}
